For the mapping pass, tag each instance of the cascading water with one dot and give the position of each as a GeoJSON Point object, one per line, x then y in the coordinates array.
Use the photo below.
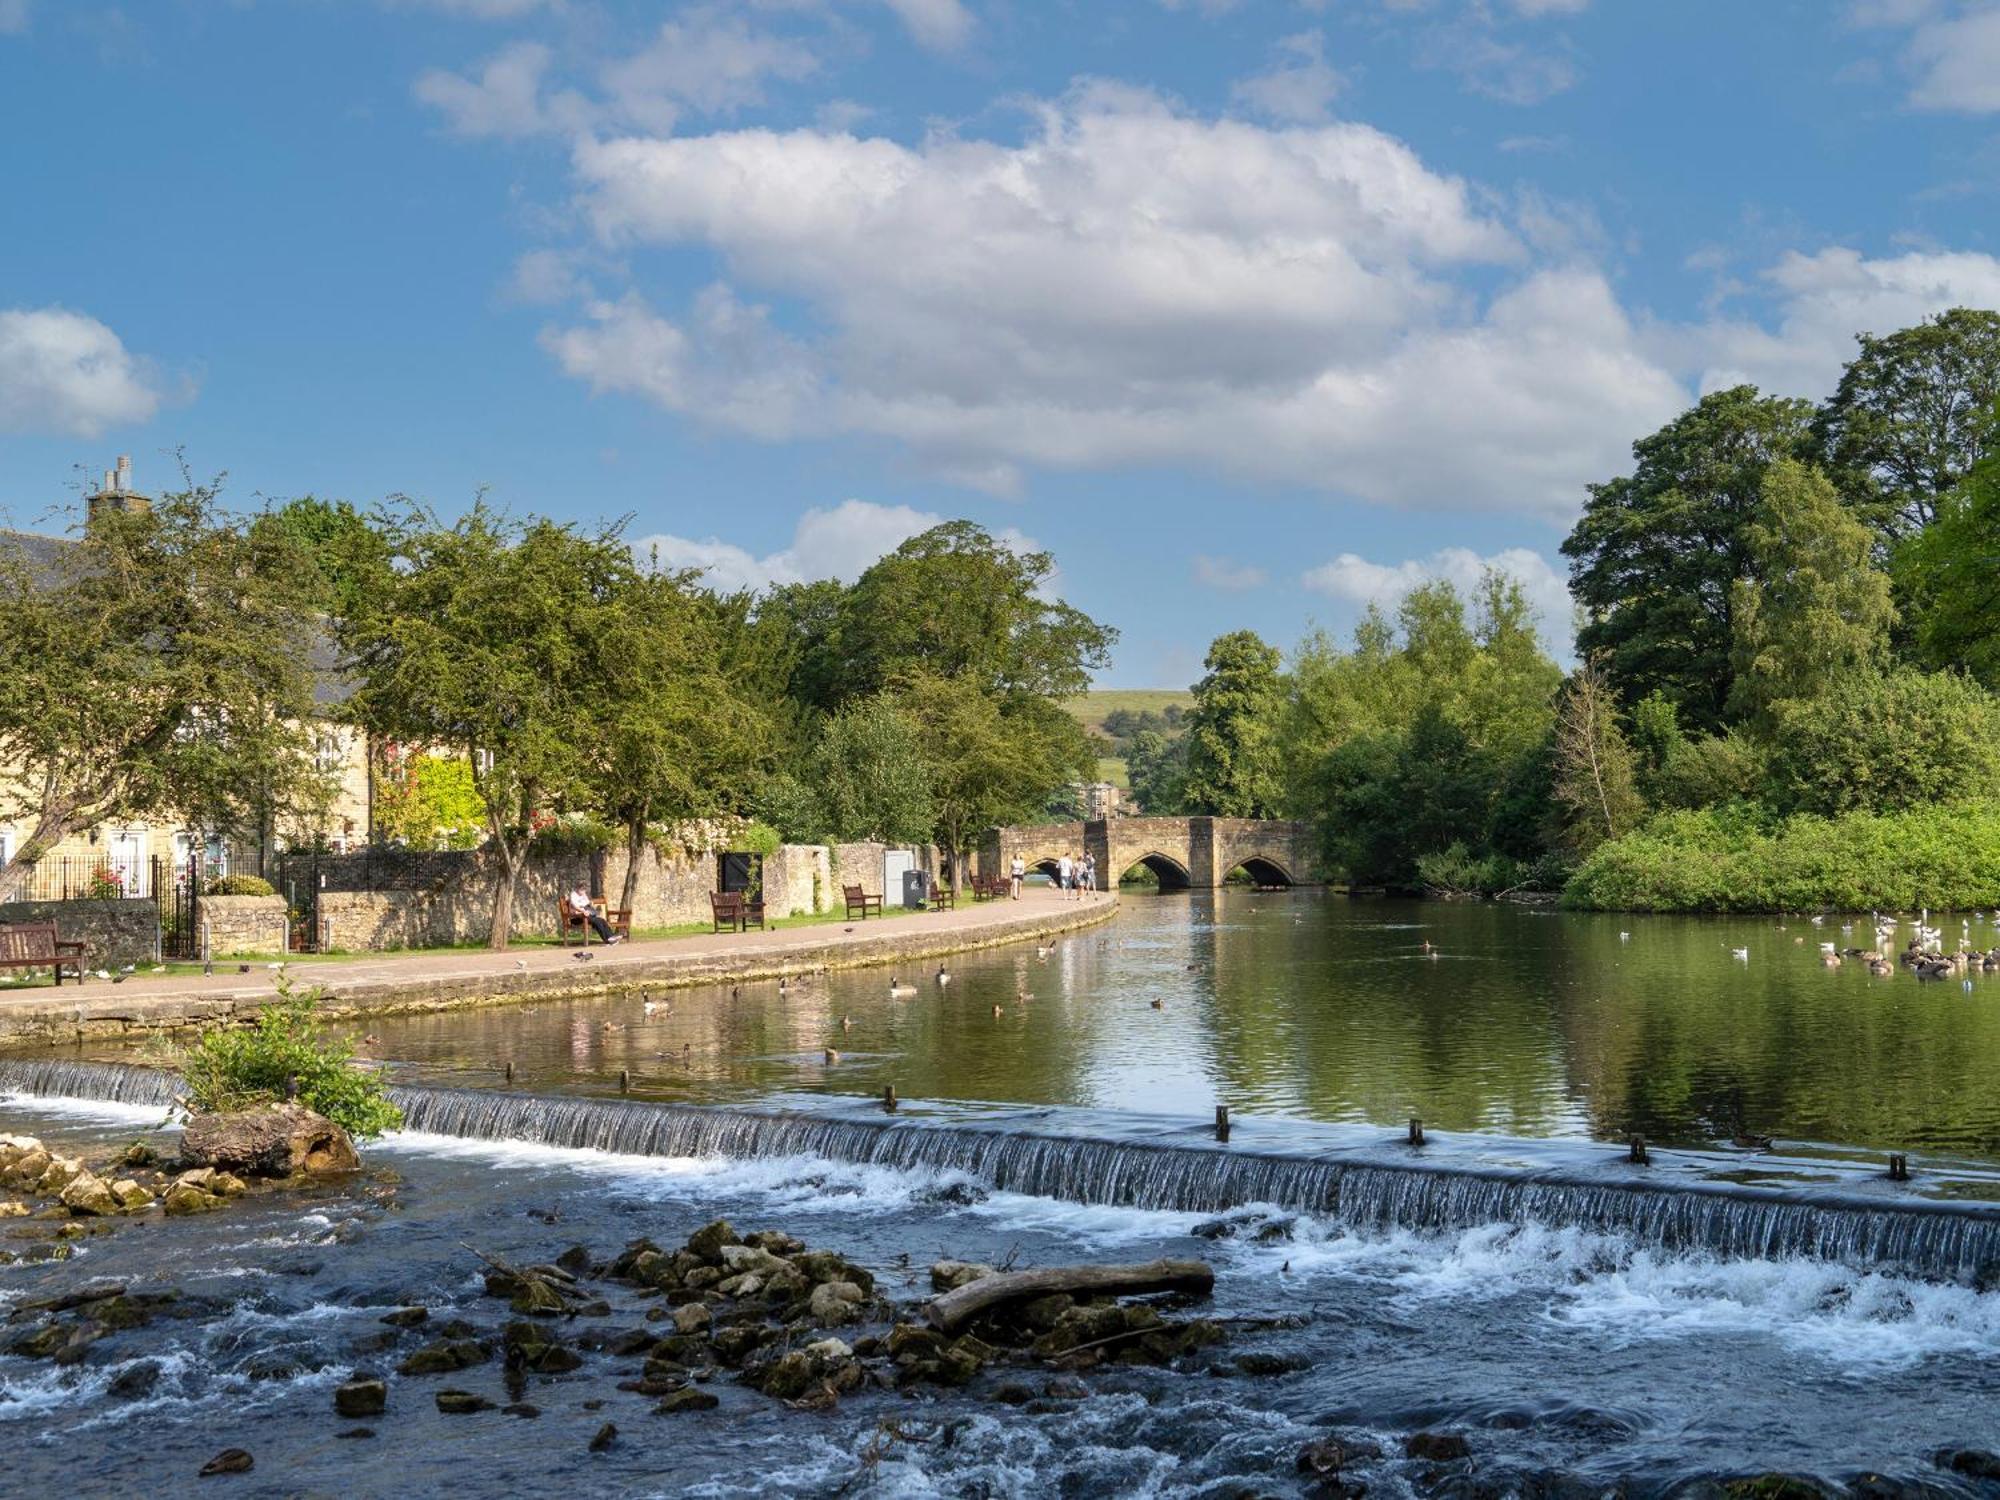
{"type": "Point", "coordinates": [1929, 1238]}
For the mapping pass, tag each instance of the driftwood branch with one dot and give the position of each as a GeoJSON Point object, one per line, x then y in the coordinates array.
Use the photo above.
{"type": "Point", "coordinates": [947, 1312]}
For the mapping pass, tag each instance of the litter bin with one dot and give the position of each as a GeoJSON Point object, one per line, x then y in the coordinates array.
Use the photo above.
{"type": "Point", "coordinates": [916, 890]}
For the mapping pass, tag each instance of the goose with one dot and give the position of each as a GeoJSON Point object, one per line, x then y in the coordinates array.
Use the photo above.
{"type": "Point", "coordinates": [847, 1023]}
{"type": "Point", "coordinates": [832, 1057]}
{"type": "Point", "coordinates": [996, 1010]}
{"type": "Point", "coordinates": [943, 978]}
{"type": "Point", "coordinates": [1828, 948]}
{"type": "Point", "coordinates": [1881, 968]}
{"type": "Point", "coordinates": [651, 1006]}
{"type": "Point", "coordinates": [1829, 960]}
{"type": "Point", "coordinates": [1159, 1005]}
{"type": "Point", "coordinates": [1624, 937]}
{"type": "Point", "coordinates": [782, 984]}
{"type": "Point", "coordinates": [1742, 953]}
{"type": "Point", "coordinates": [898, 988]}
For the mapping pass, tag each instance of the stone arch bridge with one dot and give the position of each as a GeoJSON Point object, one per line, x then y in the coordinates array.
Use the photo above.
{"type": "Point", "coordinates": [1198, 853]}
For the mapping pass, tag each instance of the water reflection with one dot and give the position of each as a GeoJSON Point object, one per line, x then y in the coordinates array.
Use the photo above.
{"type": "Point", "coordinates": [1522, 1021]}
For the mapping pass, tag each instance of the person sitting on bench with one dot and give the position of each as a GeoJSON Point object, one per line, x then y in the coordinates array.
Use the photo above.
{"type": "Point", "coordinates": [584, 907]}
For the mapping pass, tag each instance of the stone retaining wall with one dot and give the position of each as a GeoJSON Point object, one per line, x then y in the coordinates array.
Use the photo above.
{"type": "Point", "coordinates": [242, 924]}
{"type": "Point", "coordinates": [114, 933]}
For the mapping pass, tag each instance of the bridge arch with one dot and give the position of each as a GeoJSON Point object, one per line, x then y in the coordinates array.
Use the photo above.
{"type": "Point", "coordinates": [1170, 872]}
{"type": "Point", "coordinates": [1265, 871]}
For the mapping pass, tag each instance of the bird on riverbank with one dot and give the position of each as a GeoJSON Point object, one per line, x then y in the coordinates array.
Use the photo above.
{"type": "Point", "coordinates": [582, 957]}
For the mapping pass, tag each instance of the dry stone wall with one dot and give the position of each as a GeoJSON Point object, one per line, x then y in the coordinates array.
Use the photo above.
{"type": "Point", "coordinates": [114, 933]}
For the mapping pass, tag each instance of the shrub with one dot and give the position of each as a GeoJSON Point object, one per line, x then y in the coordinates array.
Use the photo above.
{"type": "Point", "coordinates": [1882, 742]}
{"type": "Point", "coordinates": [1710, 771]}
{"type": "Point", "coordinates": [287, 1050]}
{"type": "Point", "coordinates": [1738, 859]}
{"type": "Point", "coordinates": [1454, 871]}
{"type": "Point", "coordinates": [574, 835]}
{"type": "Point", "coordinates": [240, 885]}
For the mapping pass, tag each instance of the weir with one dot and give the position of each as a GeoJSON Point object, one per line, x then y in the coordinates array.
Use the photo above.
{"type": "Point", "coordinates": [1932, 1238]}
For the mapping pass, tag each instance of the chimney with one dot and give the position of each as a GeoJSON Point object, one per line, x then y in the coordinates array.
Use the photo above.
{"type": "Point", "coordinates": [116, 494]}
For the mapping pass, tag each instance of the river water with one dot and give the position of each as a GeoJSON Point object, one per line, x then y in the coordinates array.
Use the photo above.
{"type": "Point", "coordinates": [1577, 1356]}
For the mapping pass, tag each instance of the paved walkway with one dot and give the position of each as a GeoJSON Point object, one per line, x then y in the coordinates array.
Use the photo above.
{"type": "Point", "coordinates": [387, 983]}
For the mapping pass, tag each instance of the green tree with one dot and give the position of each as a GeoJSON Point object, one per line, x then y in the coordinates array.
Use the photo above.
{"type": "Point", "coordinates": [427, 801]}
{"type": "Point", "coordinates": [992, 760]}
{"type": "Point", "coordinates": [1913, 414]}
{"type": "Point", "coordinates": [1816, 609]}
{"type": "Point", "coordinates": [671, 735]}
{"type": "Point", "coordinates": [1596, 782]}
{"type": "Point", "coordinates": [954, 603]}
{"type": "Point", "coordinates": [1156, 767]}
{"type": "Point", "coordinates": [871, 776]}
{"type": "Point", "coordinates": [350, 553]}
{"type": "Point", "coordinates": [484, 644]}
{"type": "Point", "coordinates": [1233, 758]}
{"type": "Point", "coordinates": [154, 668]}
{"type": "Point", "coordinates": [1885, 742]}
{"type": "Point", "coordinates": [1951, 572]}
{"type": "Point", "coordinates": [1656, 556]}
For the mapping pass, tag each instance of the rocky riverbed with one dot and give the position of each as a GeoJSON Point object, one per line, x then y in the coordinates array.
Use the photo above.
{"type": "Point", "coordinates": [496, 1320]}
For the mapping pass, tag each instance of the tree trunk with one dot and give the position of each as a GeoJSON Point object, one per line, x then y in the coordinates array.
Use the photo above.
{"type": "Point", "coordinates": [503, 885]}
{"type": "Point", "coordinates": [52, 826]}
{"type": "Point", "coordinates": [635, 848]}
{"type": "Point", "coordinates": [954, 1308]}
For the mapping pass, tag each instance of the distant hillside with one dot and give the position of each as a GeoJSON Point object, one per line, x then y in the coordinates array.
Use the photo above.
{"type": "Point", "coordinates": [1091, 708]}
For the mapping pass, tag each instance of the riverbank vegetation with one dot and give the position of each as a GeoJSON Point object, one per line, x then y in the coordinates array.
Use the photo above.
{"type": "Point", "coordinates": [1787, 648]}
{"type": "Point", "coordinates": [287, 1056]}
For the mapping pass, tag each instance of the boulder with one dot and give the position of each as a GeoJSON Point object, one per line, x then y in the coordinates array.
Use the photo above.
{"type": "Point", "coordinates": [604, 1437]}
{"type": "Point", "coordinates": [58, 1174]}
{"type": "Point", "coordinates": [461, 1403]}
{"type": "Point", "coordinates": [129, 1194]}
{"type": "Point", "coordinates": [279, 1140]}
{"type": "Point", "coordinates": [776, 1241]}
{"type": "Point", "coordinates": [228, 1461]}
{"type": "Point", "coordinates": [28, 1167]}
{"type": "Point", "coordinates": [692, 1318]}
{"type": "Point", "coordinates": [1437, 1447]}
{"type": "Point", "coordinates": [688, 1398]}
{"type": "Point", "coordinates": [361, 1398]}
{"type": "Point", "coordinates": [185, 1198]}
{"type": "Point", "coordinates": [835, 1303]}
{"type": "Point", "coordinates": [707, 1241]}
{"type": "Point", "coordinates": [87, 1193]}
{"type": "Point", "coordinates": [740, 1258]}
{"type": "Point", "coordinates": [745, 1284]}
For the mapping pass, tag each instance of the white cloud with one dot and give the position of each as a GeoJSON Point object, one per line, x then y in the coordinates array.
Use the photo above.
{"type": "Point", "coordinates": [1488, 64]}
{"type": "Point", "coordinates": [1221, 573]}
{"type": "Point", "coordinates": [704, 62]}
{"type": "Point", "coordinates": [65, 372]}
{"type": "Point", "coordinates": [1958, 63]}
{"type": "Point", "coordinates": [1128, 285]}
{"type": "Point", "coordinates": [14, 17]}
{"type": "Point", "coordinates": [1824, 300]}
{"type": "Point", "coordinates": [1551, 7]}
{"type": "Point", "coordinates": [941, 25]}
{"type": "Point", "coordinates": [1300, 87]}
{"type": "Point", "coordinates": [504, 99]}
{"type": "Point", "coordinates": [841, 542]}
{"type": "Point", "coordinates": [1355, 580]}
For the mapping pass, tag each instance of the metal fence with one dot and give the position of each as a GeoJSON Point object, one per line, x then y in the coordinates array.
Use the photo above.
{"type": "Point", "coordinates": [173, 886]}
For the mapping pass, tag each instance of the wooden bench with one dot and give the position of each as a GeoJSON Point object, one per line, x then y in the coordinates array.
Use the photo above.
{"type": "Point", "coordinates": [571, 919]}
{"type": "Point", "coordinates": [860, 902]}
{"type": "Point", "coordinates": [943, 898]}
{"type": "Point", "coordinates": [735, 910]}
{"type": "Point", "coordinates": [990, 887]}
{"type": "Point", "coordinates": [34, 945]}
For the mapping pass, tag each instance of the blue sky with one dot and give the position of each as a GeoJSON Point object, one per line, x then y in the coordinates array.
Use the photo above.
{"type": "Point", "coordinates": [1249, 310]}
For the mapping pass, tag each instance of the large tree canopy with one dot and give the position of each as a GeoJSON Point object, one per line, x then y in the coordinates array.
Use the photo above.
{"type": "Point", "coordinates": [1233, 759]}
{"type": "Point", "coordinates": [1656, 557]}
{"type": "Point", "coordinates": [1913, 414]}
{"type": "Point", "coordinates": [162, 664]}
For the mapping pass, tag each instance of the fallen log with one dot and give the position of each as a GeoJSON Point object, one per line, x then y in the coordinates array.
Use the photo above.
{"type": "Point", "coordinates": [947, 1312]}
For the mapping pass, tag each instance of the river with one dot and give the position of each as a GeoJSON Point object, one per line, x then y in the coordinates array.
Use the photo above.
{"type": "Point", "coordinates": [1577, 1355]}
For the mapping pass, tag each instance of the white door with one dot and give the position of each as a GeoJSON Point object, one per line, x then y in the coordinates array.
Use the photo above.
{"type": "Point", "coordinates": [895, 863]}
{"type": "Point", "coordinates": [127, 857]}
